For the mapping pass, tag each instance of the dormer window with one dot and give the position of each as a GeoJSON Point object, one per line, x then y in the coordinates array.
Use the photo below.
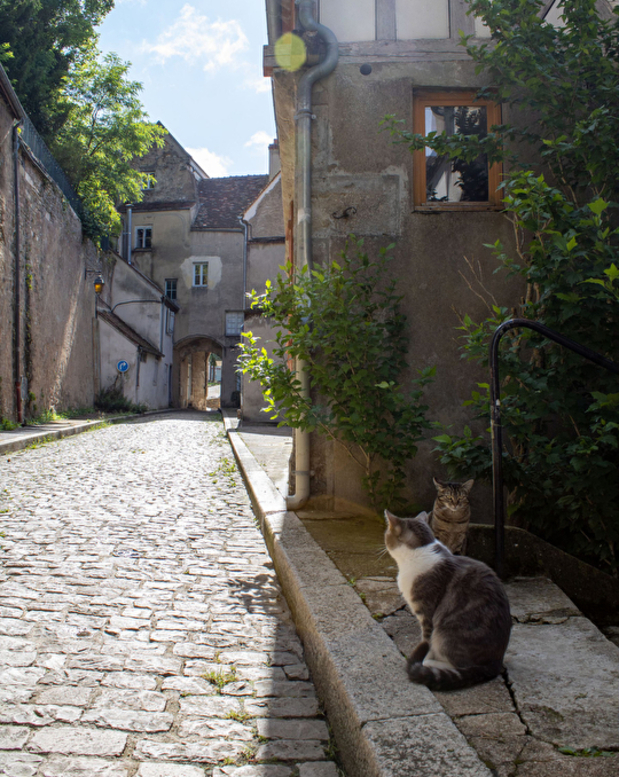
{"type": "Point", "coordinates": [149, 181]}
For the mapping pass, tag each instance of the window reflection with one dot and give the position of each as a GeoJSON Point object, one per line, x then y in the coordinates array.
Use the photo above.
{"type": "Point", "coordinates": [456, 180]}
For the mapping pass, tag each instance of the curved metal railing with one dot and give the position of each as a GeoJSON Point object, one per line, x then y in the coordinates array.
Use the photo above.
{"type": "Point", "coordinates": [495, 417]}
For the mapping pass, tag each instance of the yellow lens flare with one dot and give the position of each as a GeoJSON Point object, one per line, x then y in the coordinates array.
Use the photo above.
{"type": "Point", "coordinates": [290, 51]}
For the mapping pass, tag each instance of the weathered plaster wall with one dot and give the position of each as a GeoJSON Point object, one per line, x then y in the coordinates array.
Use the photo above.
{"type": "Point", "coordinates": [355, 166]}
{"type": "Point", "coordinates": [145, 313]}
{"type": "Point", "coordinates": [207, 306]}
{"type": "Point", "coordinates": [57, 299]}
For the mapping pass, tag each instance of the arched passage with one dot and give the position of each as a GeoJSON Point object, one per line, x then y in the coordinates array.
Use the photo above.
{"type": "Point", "coordinates": [193, 370]}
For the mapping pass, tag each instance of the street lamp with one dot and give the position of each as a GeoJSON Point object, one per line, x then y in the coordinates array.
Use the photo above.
{"type": "Point", "coordinates": [99, 283]}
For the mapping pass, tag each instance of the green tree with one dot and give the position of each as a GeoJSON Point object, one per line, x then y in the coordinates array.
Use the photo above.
{"type": "Point", "coordinates": [344, 323]}
{"type": "Point", "coordinates": [46, 37]}
{"type": "Point", "coordinates": [104, 131]}
{"type": "Point", "coordinates": [560, 413]}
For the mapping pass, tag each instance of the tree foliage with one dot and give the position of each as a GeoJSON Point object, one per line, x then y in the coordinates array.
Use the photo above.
{"type": "Point", "coordinates": [344, 323]}
{"type": "Point", "coordinates": [105, 129]}
{"type": "Point", "coordinates": [560, 413]}
{"type": "Point", "coordinates": [45, 38]}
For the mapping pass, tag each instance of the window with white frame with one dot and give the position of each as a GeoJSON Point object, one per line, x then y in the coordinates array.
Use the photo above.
{"type": "Point", "coordinates": [143, 237]}
{"type": "Point", "coordinates": [200, 274]}
{"type": "Point", "coordinates": [234, 322]}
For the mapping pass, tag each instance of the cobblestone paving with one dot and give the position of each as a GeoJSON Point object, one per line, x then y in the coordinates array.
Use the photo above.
{"type": "Point", "coordinates": [142, 628]}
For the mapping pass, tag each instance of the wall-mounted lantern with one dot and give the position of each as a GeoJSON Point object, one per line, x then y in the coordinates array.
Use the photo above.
{"type": "Point", "coordinates": [99, 283]}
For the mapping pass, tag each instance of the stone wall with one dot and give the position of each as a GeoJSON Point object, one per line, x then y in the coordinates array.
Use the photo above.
{"type": "Point", "coordinates": [56, 297]}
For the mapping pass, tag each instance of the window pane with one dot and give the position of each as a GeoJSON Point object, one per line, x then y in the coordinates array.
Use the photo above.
{"type": "Point", "coordinates": [200, 274]}
{"type": "Point", "coordinates": [234, 323]}
{"type": "Point", "coordinates": [456, 180]}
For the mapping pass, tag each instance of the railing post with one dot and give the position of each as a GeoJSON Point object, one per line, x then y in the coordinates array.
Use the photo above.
{"type": "Point", "coordinates": [495, 417]}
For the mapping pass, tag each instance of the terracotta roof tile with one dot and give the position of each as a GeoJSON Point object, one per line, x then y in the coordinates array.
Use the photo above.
{"type": "Point", "coordinates": [223, 200]}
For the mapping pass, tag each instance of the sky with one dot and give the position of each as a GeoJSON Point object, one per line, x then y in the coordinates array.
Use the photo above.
{"type": "Point", "coordinates": [200, 64]}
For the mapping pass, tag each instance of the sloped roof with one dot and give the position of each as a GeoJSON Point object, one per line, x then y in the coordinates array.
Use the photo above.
{"type": "Point", "coordinates": [224, 200]}
{"type": "Point", "coordinates": [127, 331]}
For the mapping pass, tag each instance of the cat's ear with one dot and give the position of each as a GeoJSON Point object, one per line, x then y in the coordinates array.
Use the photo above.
{"type": "Point", "coordinates": [468, 485]}
{"type": "Point", "coordinates": [437, 484]}
{"type": "Point", "coordinates": [393, 521]}
{"type": "Point", "coordinates": [423, 516]}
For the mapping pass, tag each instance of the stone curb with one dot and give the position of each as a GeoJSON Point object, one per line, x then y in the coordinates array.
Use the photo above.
{"type": "Point", "coordinates": [24, 439]}
{"type": "Point", "coordinates": [384, 726]}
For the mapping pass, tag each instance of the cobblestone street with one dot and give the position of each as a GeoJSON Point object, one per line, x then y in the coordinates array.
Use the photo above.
{"type": "Point", "coordinates": [142, 628]}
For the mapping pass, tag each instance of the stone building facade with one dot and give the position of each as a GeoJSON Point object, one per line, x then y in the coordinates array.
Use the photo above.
{"type": "Point", "coordinates": [188, 237]}
{"type": "Point", "coordinates": [134, 335]}
{"type": "Point", "coordinates": [397, 57]}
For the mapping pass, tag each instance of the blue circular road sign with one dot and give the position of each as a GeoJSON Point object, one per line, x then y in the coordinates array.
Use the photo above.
{"type": "Point", "coordinates": [122, 366]}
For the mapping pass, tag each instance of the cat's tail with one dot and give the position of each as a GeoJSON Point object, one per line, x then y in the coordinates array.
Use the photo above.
{"type": "Point", "coordinates": [450, 679]}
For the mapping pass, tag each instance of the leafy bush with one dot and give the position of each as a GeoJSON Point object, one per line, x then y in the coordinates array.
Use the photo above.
{"type": "Point", "coordinates": [560, 413]}
{"type": "Point", "coordinates": [344, 324]}
{"type": "Point", "coordinates": [112, 400]}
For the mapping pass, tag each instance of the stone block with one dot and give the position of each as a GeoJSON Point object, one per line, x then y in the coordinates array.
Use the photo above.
{"type": "Point", "coordinates": [13, 737]}
{"type": "Point", "coordinates": [319, 769]}
{"type": "Point", "coordinates": [299, 729]}
{"type": "Point", "coordinates": [291, 750]}
{"type": "Point", "coordinates": [82, 767]}
{"type": "Point", "coordinates": [14, 764]}
{"type": "Point", "coordinates": [78, 741]}
{"type": "Point", "coordinates": [565, 679]}
{"type": "Point", "coordinates": [169, 770]}
{"type": "Point", "coordinates": [430, 744]}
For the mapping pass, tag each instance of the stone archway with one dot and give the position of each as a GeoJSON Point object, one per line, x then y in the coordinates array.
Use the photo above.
{"type": "Point", "coordinates": [191, 359]}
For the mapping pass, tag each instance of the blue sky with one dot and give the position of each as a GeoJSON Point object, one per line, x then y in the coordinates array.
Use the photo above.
{"type": "Point", "coordinates": [200, 63]}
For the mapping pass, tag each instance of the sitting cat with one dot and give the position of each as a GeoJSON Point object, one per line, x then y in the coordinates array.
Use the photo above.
{"type": "Point", "coordinates": [451, 513]}
{"type": "Point", "coordinates": [460, 604]}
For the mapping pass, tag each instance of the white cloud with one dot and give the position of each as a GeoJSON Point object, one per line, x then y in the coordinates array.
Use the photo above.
{"type": "Point", "coordinates": [194, 38]}
{"type": "Point", "coordinates": [255, 80]}
{"type": "Point", "coordinates": [261, 140]}
{"type": "Point", "coordinates": [216, 166]}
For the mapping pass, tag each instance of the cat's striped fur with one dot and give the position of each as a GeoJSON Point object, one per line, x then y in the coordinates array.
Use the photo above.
{"type": "Point", "coordinates": [460, 603]}
{"type": "Point", "coordinates": [451, 514]}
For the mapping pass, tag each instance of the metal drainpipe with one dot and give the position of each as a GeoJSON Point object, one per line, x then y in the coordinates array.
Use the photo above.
{"type": "Point", "coordinates": [274, 25]}
{"type": "Point", "coordinates": [17, 299]}
{"type": "Point", "coordinates": [245, 226]}
{"type": "Point", "coordinates": [129, 236]}
{"type": "Point", "coordinates": [303, 194]}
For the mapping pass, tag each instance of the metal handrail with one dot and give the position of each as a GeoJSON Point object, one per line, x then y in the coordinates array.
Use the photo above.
{"type": "Point", "coordinates": [495, 417]}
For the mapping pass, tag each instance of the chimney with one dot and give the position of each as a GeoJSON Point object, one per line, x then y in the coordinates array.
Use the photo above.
{"type": "Point", "coordinates": [275, 164]}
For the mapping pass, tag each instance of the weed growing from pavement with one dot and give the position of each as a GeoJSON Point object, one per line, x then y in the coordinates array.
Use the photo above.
{"type": "Point", "coordinates": [220, 678]}
{"type": "Point", "coordinates": [241, 716]}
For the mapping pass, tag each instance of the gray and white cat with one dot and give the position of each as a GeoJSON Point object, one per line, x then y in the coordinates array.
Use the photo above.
{"type": "Point", "coordinates": [451, 514]}
{"type": "Point", "coordinates": [459, 602]}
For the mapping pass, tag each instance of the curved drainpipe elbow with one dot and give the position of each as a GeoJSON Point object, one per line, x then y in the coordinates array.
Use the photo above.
{"type": "Point", "coordinates": [303, 194]}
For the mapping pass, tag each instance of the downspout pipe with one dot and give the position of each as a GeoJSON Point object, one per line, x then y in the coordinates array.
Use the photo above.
{"type": "Point", "coordinates": [303, 195]}
{"type": "Point", "coordinates": [129, 235]}
{"type": "Point", "coordinates": [17, 296]}
{"type": "Point", "coordinates": [245, 226]}
{"type": "Point", "coordinates": [274, 25]}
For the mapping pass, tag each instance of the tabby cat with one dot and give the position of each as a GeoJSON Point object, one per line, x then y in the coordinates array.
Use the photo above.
{"type": "Point", "coordinates": [459, 602]}
{"type": "Point", "coordinates": [451, 513]}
